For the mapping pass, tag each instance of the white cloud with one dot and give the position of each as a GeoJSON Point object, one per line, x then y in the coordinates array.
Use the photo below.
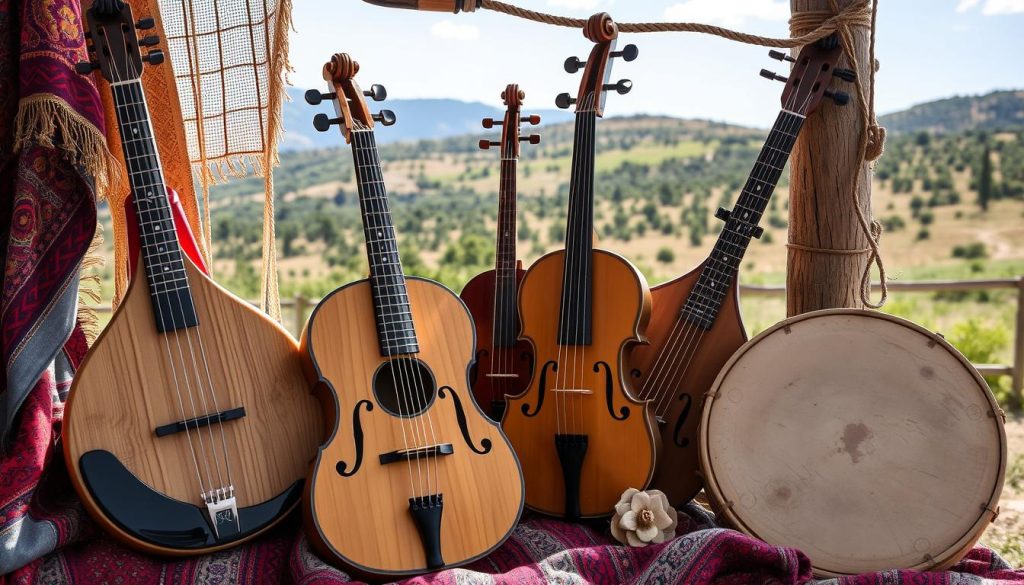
{"type": "Point", "coordinates": [992, 7]}
{"type": "Point", "coordinates": [448, 30]}
{"type": "Point", "coordinates": [1003, 7]}
{"type": "Point", "coordinates": [732, 13]}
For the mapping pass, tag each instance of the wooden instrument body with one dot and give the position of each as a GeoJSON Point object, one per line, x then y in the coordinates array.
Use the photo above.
{"type": "Point", "coordinates": [483, 492]}
{"type": "Point", "coordinates": [490, 391]}
{"type": "Point", "coordinates": [124, 390]}
{"type": "Point", "coordinates": [621, 430]}
{"type": "Point", "coordinates": [860, 438]}
{"type": "Point", "coordinates": [677, 391]}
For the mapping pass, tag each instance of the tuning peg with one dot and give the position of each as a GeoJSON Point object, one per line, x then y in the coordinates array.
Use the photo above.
{"type": "Point", "coordinates": [145, 23]}
{"type": "Point", "coordinates": [154, 57]}
{"type": "Point", "coordinates": [491, 123]}
{"type": "Point", "coordinates": [573, 64]}
{"type": "Point", "coordinates": [532, 139]}
{"type": "Point", "coordinates": [385, 117]}
{"type": "Point", "coordinates": [628, 53]}
{"type": "Point", "coordinates": [780, 56]}
{"type": "Point", "coordinates": [314, 97]}
{"type": "Point", "coordinates": [322, 123]}
{"type": "Point", "coordinates": [376, 92]}
{"type": "Point", "coordinates": [845, 74]}
{"type": "Point", "coordinates": [486, 144]}
{"type": "Point", "coordinates": [771, 75]}
{"type": "Point", "coordinates": [624, 86]}
{"type": "Point", "coordinates": [563, 100]}
{"type": "Point", "coordinates": [86, 67]}
{"type": "Point", "coordinates": [533, 119]}
{"type": "Point", "coordinates": [149, 41]}
{"type": "Point", "coordinates": [841, 98]}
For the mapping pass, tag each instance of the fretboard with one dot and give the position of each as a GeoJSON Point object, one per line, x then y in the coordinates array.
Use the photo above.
{"type": "Point", "coordinates": [722, 266]}
{"type": "Point", "coordinates": [577, 277]}
{"type": "Point", "coordinates": [161, 254]}
{"type": "Point", "coordinates": [504, 330]}
{"type": "Point", "coordinates": [395, 331]}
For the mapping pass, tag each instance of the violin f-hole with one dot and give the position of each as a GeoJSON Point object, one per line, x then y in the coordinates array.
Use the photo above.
{"type": "Point", "coordinates": [609, 392]}
{"type": "Point", "coordinates": [357, 441]}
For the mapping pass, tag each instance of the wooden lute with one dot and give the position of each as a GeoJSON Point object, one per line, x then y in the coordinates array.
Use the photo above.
{"type": "Point", "coordinates": [695, 319]}
{"type": "Point", "coordinates": [503, 363]}
{"type": "Point", "coordinates": [414, 477]}
{"type": "Point", "coordinates": [190, 425]}
{"type": "Point", "coordinates": [580, 434]}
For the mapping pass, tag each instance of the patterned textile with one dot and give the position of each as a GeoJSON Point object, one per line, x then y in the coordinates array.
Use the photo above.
{"type": "Point", "coordinates": [49, 131]}
{"type": "Point", "coordinates": [539, 551]}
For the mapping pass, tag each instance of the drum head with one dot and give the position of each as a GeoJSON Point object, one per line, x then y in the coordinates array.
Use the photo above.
{"type": "Point", "coordinates": [859, 438]}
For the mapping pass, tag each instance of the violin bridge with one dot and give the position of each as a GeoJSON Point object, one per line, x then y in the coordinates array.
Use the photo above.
{"type": "Point", "coordinates": [573, 390]}
{"type": "Point", "coordinates": [222, 510]}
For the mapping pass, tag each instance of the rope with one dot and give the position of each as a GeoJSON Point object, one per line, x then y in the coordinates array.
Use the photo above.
{"type": "Point", "coordinates": [805, 27]}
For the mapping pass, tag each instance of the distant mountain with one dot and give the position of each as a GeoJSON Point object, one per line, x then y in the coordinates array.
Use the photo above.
{"type": "Point", "coordinates": [417, 119]}
{"type": "Point", "coordinates": [993, 111]}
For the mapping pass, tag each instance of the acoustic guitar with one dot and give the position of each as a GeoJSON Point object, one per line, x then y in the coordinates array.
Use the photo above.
{"type": "Point", "coordinates": [503, 363]}
{"type": "Point", "coordinates": [414, 476]}
{"type": "Point", "coordinates": [695, 319]}
{"type": "Point", "coordinates": [582, 437]}
{"type": "Point", "coordinates": [190, 425]}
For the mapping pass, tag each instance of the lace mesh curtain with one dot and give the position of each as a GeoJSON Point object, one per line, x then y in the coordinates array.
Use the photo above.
{"type": "Point", "coordinates": [229, 59]}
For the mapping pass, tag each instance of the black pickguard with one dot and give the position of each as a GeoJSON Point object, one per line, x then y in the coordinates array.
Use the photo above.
{"type": "Point", "coordinates": [460, 415]}
{"type": "Point", "coordinates": [157, 519]}
{"type": "Point", "coordinates": [609, 392]}
{"type": "Point", "coordinates": [541, 388]}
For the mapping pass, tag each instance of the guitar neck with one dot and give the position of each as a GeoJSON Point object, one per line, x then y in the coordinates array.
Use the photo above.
{"type": "Point", "coordinates": [722, 267]}
{"type": "Point", "coordinates": [395, 331]}
{"type": "Point", "coordinates": [161, 255]}
{"type": "Point", "coordinates": [504, 330]}
{"type": "Point", "coordinates": [577, 277]}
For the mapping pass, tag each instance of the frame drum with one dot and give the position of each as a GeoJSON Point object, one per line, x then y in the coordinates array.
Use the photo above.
{"type": "Point", "coordinates": [862, 439]}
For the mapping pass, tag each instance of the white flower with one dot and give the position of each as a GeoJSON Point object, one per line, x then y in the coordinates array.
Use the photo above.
{"type": "Point", "coordinates": [643, 518]}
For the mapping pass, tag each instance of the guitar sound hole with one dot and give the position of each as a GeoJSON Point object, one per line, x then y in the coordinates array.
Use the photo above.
{"type": "Point", "coordinates": [404, 387]}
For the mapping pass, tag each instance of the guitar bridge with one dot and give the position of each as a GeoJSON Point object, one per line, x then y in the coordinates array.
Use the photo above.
{"type": "Point", "coordinates": [222, 510]}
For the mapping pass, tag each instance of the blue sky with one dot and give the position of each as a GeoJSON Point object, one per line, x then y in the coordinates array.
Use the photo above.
{"type": "Point", "coordinates": [928, 50]}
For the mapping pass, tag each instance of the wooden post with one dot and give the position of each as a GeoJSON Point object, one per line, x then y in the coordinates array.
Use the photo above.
{"type": "Point", "coordinates": [300, 314]}
{"type": "Point", "coordinates": [1018, 346]}
{"type": "Point", "coordinates": [821, 205]}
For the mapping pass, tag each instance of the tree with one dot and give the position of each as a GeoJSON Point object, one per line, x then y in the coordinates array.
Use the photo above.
{"type": "Point", "coordinates": [666, 255]}
{"type": "Point", "coordinates": [985, 180]}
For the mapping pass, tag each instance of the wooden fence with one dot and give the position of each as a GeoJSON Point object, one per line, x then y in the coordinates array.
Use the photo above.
{"type": "Point", "coordinates": [299, 308]}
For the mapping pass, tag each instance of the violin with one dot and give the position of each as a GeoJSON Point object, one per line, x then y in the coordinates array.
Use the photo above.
{"type": "Point", "coordinates": [581, 435]}
{"type": "Point", "coordinates": [504, 364]}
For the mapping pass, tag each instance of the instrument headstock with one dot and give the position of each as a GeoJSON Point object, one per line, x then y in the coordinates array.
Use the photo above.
{"type": "Point", "coordinates": [114, 46]}
{"type": "Point", "coordinates": [809, 81]}
{"type": "Point", "coordinates": [603, 32]}
{"type": "Point", "coordinates": [352, 112]}
{"type": "Point", "coordinates": [511, 125]}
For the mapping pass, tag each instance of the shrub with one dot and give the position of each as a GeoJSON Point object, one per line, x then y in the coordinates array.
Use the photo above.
{"type": "Point", "coordinates": [665, 255]}
{"type": "Point", "coordinates": [971, 251]}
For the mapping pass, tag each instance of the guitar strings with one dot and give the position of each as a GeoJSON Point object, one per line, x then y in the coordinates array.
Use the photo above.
{"type": "Point", "coordinates": [154, 292]}
{"type": "Point", "coordinates": [229, 485]}
{"type": "Point", "coordinates": [361, 155]}
{"type": "Point", "coordinates": [692, 340]}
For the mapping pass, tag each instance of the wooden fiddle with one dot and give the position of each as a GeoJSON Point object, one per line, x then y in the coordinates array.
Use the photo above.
{"type": "Point", "coordinates": [190, 424]}
{"type": "Point", "coordinates": [391, 357]}
{"type": "Point", "coordinates": [695, 319]}
{"type": "Point", "coordinates": [503, 363]}
{"type": "Point", "coordinates": [580, 434]}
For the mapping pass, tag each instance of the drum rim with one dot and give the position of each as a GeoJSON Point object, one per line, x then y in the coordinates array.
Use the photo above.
{"type": "Point", "coordinates": [948, 556]}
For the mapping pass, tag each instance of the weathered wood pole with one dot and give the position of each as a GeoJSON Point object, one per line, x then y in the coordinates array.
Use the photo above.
{"type": "Point", "coordinates": [821, 203]}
